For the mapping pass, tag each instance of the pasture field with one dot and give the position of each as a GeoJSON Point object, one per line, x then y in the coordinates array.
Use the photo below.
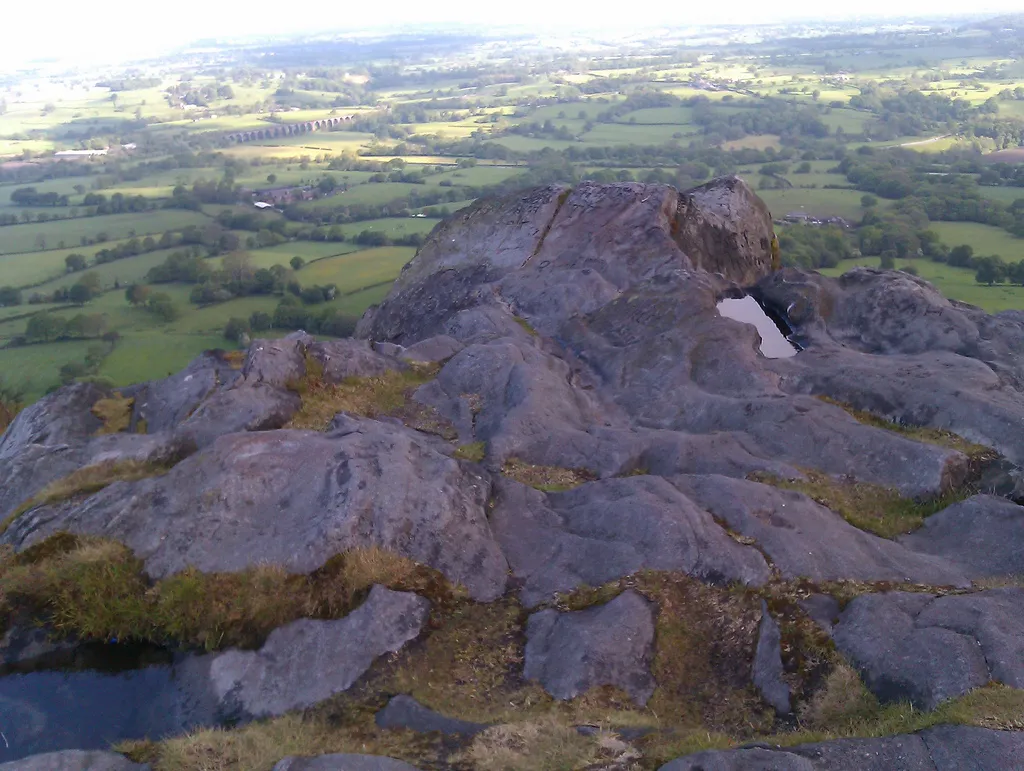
{"type": "Point", "coordinates": [25, 238]}
{"type": "Point", "coordinates": [393, 227]}
{"type": "Point", "coordinates": [955, 283]}
{"type": "Point", "coordinates": [820, 203]}
{"type": "Point", "coordinates": [358, 270]}
{"type": "Point", "coordinates": [984, 239]}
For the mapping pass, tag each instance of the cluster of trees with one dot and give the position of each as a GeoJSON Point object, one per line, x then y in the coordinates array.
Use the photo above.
{"type": "Point", "coordinates": [29, 196]}
{"type": "Point", "coordinates": [809, 246]}
{"type": "Point", "coordinates": [200, 96]}
{"type": "Point", "coordinates": [159, 304]}
{"type": "Point", "coordinates": [48, 327]}
{"type": "Point", "coordinates": [9, 296]}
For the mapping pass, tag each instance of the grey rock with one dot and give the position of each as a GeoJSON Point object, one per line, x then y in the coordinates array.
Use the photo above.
{"type": "Point", "coordinates": [437, 348]}
{"type": "Point", "coordinates": [405, 712]}
{"type": "Point", "coordinates": [60, 419]}
{"type": "Point", "coordinates": [309, 661]}
{"type": "Point", "coordinates": [295, 499]}
{"type": "Point", "coordinates": [611, 644]}
{"type": "Point", "coordinates": [342, 359]}
{"type": "Point", "coordinates": [967, 748]}
{"type": "Point", "coordinates": [163, 404]}
{"type": "Point", "coordinates": [276, 362]}
{"type": "Point", "coordinates": [74, 760]}
{"type": "Point", "coordinates": [805, 540]}
{"type": "Point", "coordinates": [343, 763]}
{"type": "Point", "coordinates": [240, 408]}
{"type": "Point", "coordinates": [823, 610]}
{"type": "Point", "coordinates": [725, 228]}
{"type": "Point", "coordinates": [768, 671]}
{"type": "Point", "coordinates": [609, 529]}
{"type": "Point", "coordinates": [943, 748]}
{"type": "Point", "coordinates": [983, 535]}
{"type": "Point", "coordinates": [927, 649]}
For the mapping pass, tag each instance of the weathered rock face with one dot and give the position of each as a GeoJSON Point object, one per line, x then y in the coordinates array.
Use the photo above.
{"type": "Point", "coordinates": [578, 329]}
{"type": "Point", "coordinates": [308, 661]}
{"type": "Point", "coordinates": [926, 649]}
{"type": "Point", "coordinates": [405, 712]}
{"type": "Point", "coordinates": [295, 499]}
{"type": "Point", "coordinates": [570, 653]}
{"type": "Point", "coordinates": [944, 748]}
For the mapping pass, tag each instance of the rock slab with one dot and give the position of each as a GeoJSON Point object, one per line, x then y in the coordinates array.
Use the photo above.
{"type": "Point", "coordinates": [611, 644]}
{"type": "Point", "coordinates": [927, 649]}
{"type": "Point", "coordinates": [343, 763]}
{"type": "Point", "coordinates": [767, 672]}
{"type": "Point", "coordinates": [309, 661]}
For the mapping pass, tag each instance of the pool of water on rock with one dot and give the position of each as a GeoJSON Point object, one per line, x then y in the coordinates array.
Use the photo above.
{"type": "Point", "coordinates": [774, 344]}
{"type": "Point", "coordinates": [114, 692]}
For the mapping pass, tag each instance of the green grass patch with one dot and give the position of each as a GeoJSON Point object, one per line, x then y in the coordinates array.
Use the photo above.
{"type": "Point", "coordinates": [936, 436]}
{"type": "Point", "coordinates": [474, 451]}
{"type": "Point", "coordinates": [22, 238]}
{"type": "Point", "coordinates": [817, 202]}
{"type": "Point", "coordinates": [879, 510]}
{"type": "Point", "coordinates": [115, 412]}
{"type": "Point", "coordinates": [92, 588]}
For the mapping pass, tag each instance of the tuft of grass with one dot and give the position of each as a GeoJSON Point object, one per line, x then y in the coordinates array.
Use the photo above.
{"type": "Point", "coordinates": [539, 745]}
{"type": "Point", "coordinates": [97, 589]}
{"type": "Point", "coordinates": [550, 479]}
{"type": "Point", "coordinates": [474, 451]}
{"type": "Point", "coordinates": [879, 510]}
{"type": "Point", "coordinates": [235, 359]}
{"type": "Point", "coordinates": [88, 480]}
{"type": "Point", "coordinates": [388, 394]}
{"type": "Point", "coordinates": [936, 436]}
{"type": "Point", "coordinates": [115, 412]}
{"type": "Point", "coordinates": [258, 746]}
{"type": "Point", "coordinates": [526, 326]}
{"type": "Point", "coordinates": [9, 409]}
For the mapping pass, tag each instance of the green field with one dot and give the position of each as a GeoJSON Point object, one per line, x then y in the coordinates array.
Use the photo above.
{"type": "Point", "coordinates": [984, 239]}
{"type": "Point", "coordinates": [954, 283]}
{"type": "Point", "coordinates": [359, 269]}
{"type": "Point", "coordinates": [24, 238]}
{"type": "Point", "coordinates": [821, 203]}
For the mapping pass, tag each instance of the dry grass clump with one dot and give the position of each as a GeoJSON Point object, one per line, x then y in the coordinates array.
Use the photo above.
{"type": "Point", "coordinates": [539, 745]}
{"type": "Point", "coordinates": [877, 509]}
{"type": "Point", "coordinates": [88, 480]}
{"type": "Point", "coordinates": [97, 589]}
{"type": "Point", "coordinates": [936, 436]}
{"type": "Point", "coordinates": [259, 746]}
{"type": "Point", "coordinates": [115, 412]}
{"type": "Point", "coordinates": [388, 394]}
{"type": "Point", "coordinates": [550, 479]}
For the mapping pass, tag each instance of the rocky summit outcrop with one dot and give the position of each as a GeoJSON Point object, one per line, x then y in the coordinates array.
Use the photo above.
{"type": "Point", "coordinates": [548, 402]}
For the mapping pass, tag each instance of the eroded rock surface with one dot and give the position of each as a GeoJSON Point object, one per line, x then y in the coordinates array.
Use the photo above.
{"type": "Point", "coordinates": [927, 649]}
{"type": "Point", "coordinates": [343, 763]}
{"type": "Point", "coordinates": [767, 673]}
{"type": "Point", "coordinates": [611, 644]}
{"type": "Point", "coordinates": [405, 712]}
{"type": "Point", "coordinates": [308, 661]}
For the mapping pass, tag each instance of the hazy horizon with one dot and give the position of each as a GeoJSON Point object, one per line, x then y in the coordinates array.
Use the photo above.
{"type": "Point", "coordinates": [106, 38]}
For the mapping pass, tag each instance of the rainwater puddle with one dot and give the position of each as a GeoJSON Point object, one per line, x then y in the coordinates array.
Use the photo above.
{"type": "Point", "coordinates": [50, 710]}
{"type": "Point", "coordinates": [774, 344]}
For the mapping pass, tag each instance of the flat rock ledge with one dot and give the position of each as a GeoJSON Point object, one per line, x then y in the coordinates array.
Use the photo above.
{"type": "Point", "coordinates": [943, 748]}
{"type": "Point", "coordinates": [74, 760]}
{"type": "Point", "coordinates": [309, 661]}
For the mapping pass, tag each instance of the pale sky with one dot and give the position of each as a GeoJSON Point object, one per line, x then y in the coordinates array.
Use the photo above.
{"type": "Point", "coordinates": [99, 33]}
